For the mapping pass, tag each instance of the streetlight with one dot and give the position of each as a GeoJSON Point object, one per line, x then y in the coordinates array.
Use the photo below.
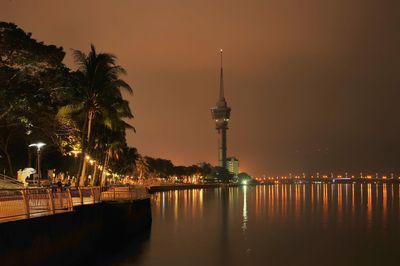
{"type": "Point", "coordinates": [75, 153]}
{"type": "Point", "coordinates": [38, 145]}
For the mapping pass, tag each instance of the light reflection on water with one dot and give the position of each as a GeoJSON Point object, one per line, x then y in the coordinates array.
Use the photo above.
{"type": "Point", "coordinates": [244, 224]}
{"type": "Point", "coordinates": [298, 224]}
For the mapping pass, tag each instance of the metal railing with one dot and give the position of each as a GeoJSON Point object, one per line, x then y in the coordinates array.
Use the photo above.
{"type": "Point", "coordinates": [9, 182]}
{"type": "Point", "coordinates": [85, 195]}
{"type": "Point", "coordinates": [27, 203]}
{"type": "Point", "coordinates": [124, 193]}
{"type": "Point", "coordinates": [18, 204]}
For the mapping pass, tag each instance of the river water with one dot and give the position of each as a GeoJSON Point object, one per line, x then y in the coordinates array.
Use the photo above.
{"type": "Point", "coordinates": [298, 224]}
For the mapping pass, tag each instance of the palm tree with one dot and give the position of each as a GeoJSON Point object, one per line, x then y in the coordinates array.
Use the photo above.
{"type": "Point", "coordinates": [109, 145]}
{"type": "Point", "coordinates": [98, 99]}
{"type": "Point", "coordinates": [126, 163]}
{"type": "Point", "coordinates": [142, 167]}
{"type": "Point", "coordinates": [114, 151]}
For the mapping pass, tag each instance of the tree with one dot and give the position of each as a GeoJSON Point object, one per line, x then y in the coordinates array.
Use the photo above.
{"type": "Point", "coordinates": [142, 167]}
{"type": "Point", "coordinates": [126, 163]}
{"type": "Point", "coordinates": [219, 174]}
{"type": "Point", "coordinates": [160, 168]}
{"type": "Point", "coordinates": [98, 98]}
{"type": "Point", "coordinates": [205, 168]}
{"type": "Point", "coordinates": [32, 81]}
{"type": "Point", "coordinates": [41, 99]}
{"type": "Point", "coordinates": [114, 151]}
{"type": "Point", "coordinates": [244, 177]}
{"type": "Point", "coordinates": [112, 143]}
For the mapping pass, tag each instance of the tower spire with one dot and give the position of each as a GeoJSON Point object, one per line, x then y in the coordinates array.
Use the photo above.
{"type": "Point", "coordinates": [221, 81]}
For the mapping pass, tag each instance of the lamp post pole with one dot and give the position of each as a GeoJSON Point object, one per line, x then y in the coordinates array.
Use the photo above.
{"type": "Point", "coordinates": [38, 166]}
{"type": "Point", "coordinates": [75, 153]}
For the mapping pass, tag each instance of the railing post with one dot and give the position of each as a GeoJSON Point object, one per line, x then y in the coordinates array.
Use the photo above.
{"type": "Point", "coordinates": [25, 197]}
{"type": "Point", "coordinates": [93, 196]}
{"type": "Point", "coordinates": [71, 204]}
{"type": "Point", "coordinates": [51, 200]}
{"type": "Point", "coordinates": [80, 195]}
{"type": "Point", "coordinates": [114, 193]}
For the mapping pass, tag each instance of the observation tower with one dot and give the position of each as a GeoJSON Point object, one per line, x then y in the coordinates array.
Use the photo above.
{"type": "Point", "coordinates": [220, 114]}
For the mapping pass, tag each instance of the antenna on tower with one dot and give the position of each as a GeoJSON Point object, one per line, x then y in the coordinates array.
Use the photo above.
{"type": "Point", "coordinates": [221, 80]}
{"type": "Point", "coordinates": [221, 56]}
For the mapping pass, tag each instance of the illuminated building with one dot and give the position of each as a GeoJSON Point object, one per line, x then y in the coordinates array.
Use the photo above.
{"type": "Point", "coordinates": [232, 164]}
{"type": "Point", "coordinates": [221, 114]}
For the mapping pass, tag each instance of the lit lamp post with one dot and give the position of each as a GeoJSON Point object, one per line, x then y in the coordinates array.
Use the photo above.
{"type": "Point", "coordinates": [94, 164]}
{"type": "Point", "coordinates": [38, 145]}
{"type": "Point", "coordinates": [75, 154]}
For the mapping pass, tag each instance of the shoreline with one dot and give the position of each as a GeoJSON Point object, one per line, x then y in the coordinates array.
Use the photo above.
{"type": "Point", "coordinates": [172, 187]}
{"type": "Point", "coordinates": [163, 188]}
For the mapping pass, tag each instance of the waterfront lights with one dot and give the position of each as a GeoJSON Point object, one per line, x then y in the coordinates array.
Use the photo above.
{"type": "Point", "coordinates": [38, 146]}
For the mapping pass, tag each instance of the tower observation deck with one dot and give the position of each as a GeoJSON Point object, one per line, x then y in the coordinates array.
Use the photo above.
{"type": "Point", "coordinates": [220, 114]}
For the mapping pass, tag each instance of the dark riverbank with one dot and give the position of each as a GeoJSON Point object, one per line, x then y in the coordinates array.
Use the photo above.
{"type": "Point", "coordinates": [70, 237]}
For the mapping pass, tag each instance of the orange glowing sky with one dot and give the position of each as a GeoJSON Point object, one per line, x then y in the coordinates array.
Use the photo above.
{"type": "Point", "coordinates": [312, 84]}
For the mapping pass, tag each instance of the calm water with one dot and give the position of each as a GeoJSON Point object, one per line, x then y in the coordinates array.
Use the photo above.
{"type": "Point", "coordinates": [320, 224]}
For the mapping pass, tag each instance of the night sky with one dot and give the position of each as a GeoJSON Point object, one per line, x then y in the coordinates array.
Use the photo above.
{"type": "Point", "coordinates": [312, 84]}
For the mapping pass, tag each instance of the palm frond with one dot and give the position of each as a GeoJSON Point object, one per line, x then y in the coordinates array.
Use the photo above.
{"type": "Point", "coordinates": [69, 109]}
{"type": "Point", "coordinates": [128, 126]}
{"type": "Point", "coordinates": [123, 85]}
{"type": "Point", "coordinates": [80, 60]}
